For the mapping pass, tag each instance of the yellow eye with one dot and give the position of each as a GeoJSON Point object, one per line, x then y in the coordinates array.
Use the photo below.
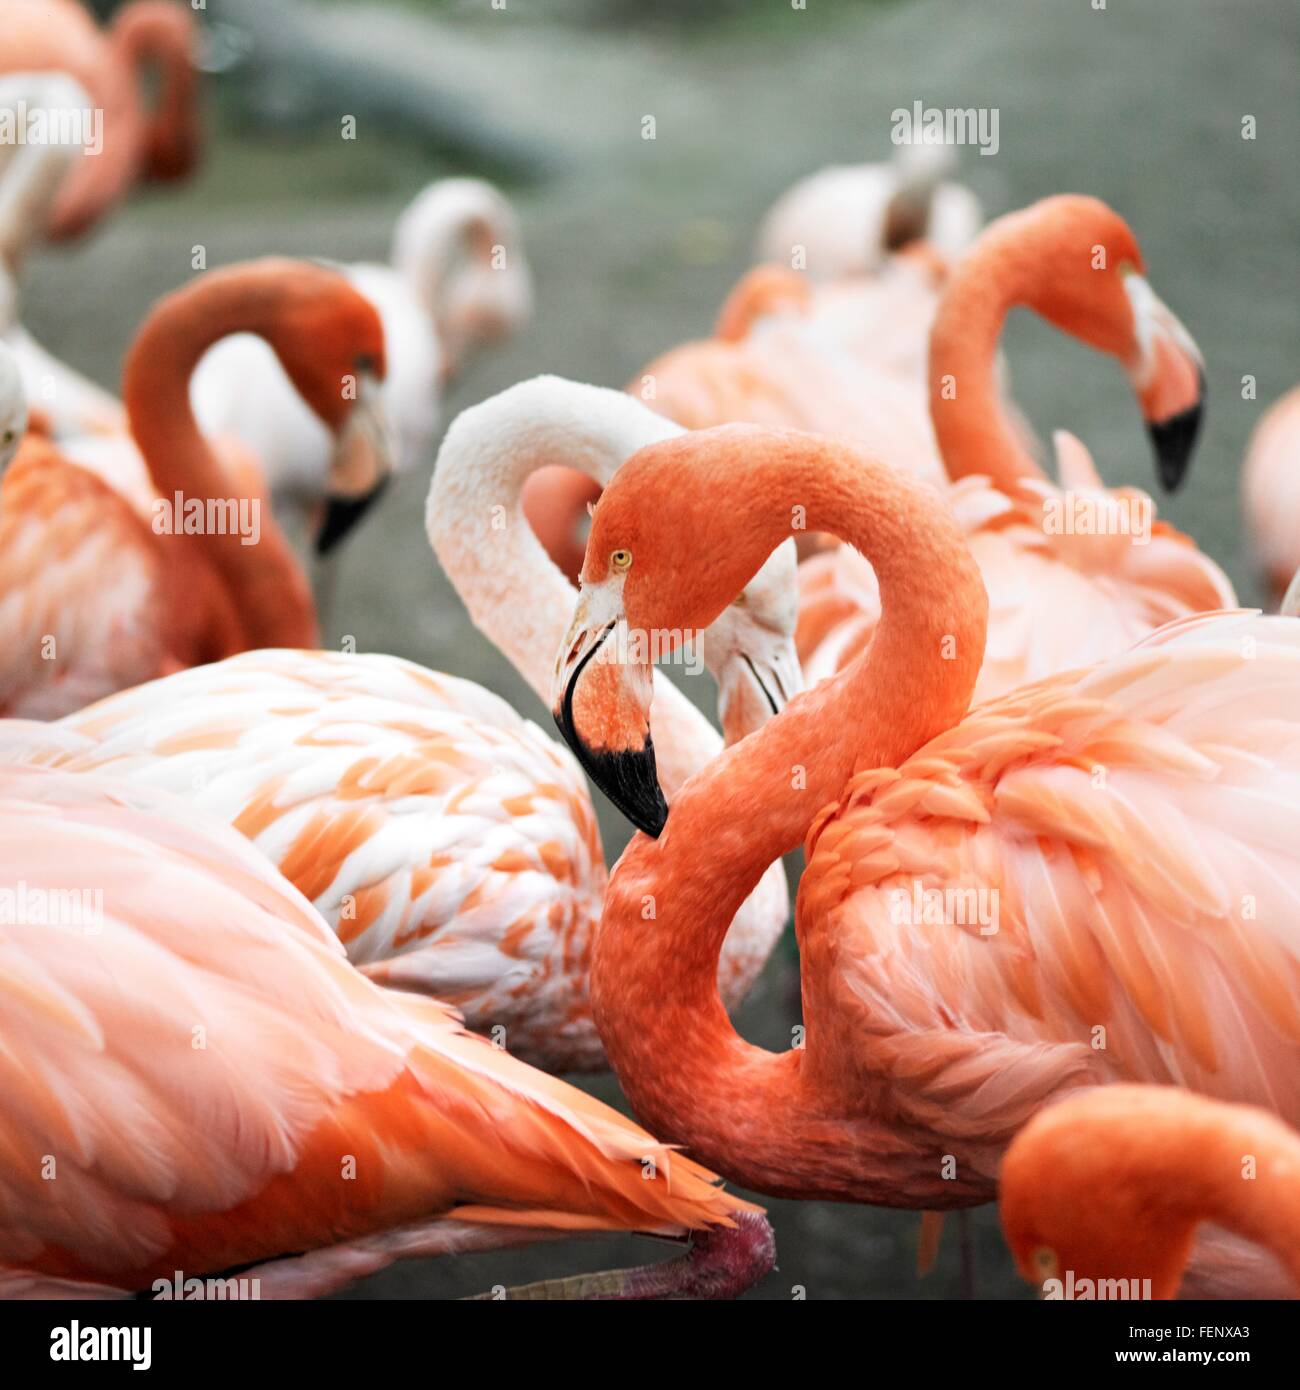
{"type": "Point", "coordinates": [620, 560]}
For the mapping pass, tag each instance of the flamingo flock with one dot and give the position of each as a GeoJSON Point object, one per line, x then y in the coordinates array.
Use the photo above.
{"type": "Point", "coordinates": [351, 918]}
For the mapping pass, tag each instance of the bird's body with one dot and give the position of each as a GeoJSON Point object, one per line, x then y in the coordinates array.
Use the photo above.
{"type": "Point", "coordinates": [845, 220]}
{"type": "Point", "coordinates": [342, 1124]}
{"type": "Point", "coordinates": [1121, 577]}
{"type": "Point", "coordinates": [126, 558]}
{"type": "Point", "coordinates": [450, 844]}
{"type": "Point", "coordinates": [1045, 549]}
{"type": "Point", "coordinates": [1089, 880]}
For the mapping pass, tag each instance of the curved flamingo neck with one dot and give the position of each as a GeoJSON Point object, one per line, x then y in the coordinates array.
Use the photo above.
{"type": "Point", "coordinates": [476, 525]}
{"type": "Point", "coordinates": [159, 35]}
{"type": "Point", "coordinates": [974, 434]}
{"type": "Point", "coordinates": [264, 580]}
{"type": "Point", "coordinates": [1239, 1171]}
{"type": "Point", "coordinates": [758, 1115]}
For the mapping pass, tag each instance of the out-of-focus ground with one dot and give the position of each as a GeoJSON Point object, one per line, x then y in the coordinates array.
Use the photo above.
{"type": "Point", "coordinates": [634, 243]}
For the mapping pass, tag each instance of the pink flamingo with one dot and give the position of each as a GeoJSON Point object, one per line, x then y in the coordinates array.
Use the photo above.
{"type": "Point", "coordinates": [450, 844]}
{"type": "Point", "coordinates": [1091, 879]}
{"type": "Point", "coordinates": [1045, 550]}
{"type": "Point", "coordinates": [101, 588]}
{"type": "Point", "coordinates": [1112, 1184]}
{"type": "Point", "coordinates": [458, 280]}
{"type": "Point", "coordinates": [60, 36]}
{"type": "Point", "coordinates": [162, 980]}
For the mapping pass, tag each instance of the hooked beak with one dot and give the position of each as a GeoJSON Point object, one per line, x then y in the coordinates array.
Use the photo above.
{"type": "Point", "coordinates": [361, 466]}
{"type": "Point", "coordinates": [1169, 379]}
{"type": "Point", "coordinates": [601, 703]}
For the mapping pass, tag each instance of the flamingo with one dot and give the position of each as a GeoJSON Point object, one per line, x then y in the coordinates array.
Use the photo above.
{"type": "Point", "coordinates": [839, 347]}
{"type": "Point", "coordinates": [848, 218]}
{"type": "Point", "coordinates": [451, 845]}
{"type": "Point", "coordinates": [1045, 550]}
{"type": "Point", "coordinates": [60, 36]}
{"type": "Point", "coordinates": [1111, 1184]}
{"type": "Point", "coordinates": [1092, 879]}
{"type": "Point", "coordinates": [1272, 500]}
{"type": "Point", "coordinates": [104, 582]}
{"type": "Point", "coordinates": [30, 176]}
{"type": "Point", "coordinates": [458, 279]}
{"type": "Point", "coordinates": [161, 980]}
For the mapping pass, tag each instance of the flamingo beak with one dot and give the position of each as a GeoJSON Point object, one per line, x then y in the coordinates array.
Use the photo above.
{"type": "Point", "coordinates": [361, 466]}
{"type": "Point", "coordinates": [601, 702]}
{"type": "Point", "coordinates": [1168, 377]}
{"type": "Point", "coordinates": [756, 680]}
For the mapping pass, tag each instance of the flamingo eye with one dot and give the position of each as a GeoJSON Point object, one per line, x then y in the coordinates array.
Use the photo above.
{"type": "Point", "coordinates": [366, 362]}
{"type": "Point", "coordinates": [1045, 1261]}
{"type": "Point", "coordinates": [620, 560]}
{"type": "Point", "coordinates": [8, 437]}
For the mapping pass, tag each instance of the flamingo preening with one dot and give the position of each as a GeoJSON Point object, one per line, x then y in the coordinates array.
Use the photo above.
{"type": "Point", "coordinates": [458, 280]}
{"type": "Point", "coordinates": [1091, 879]}
{"type": "Point", "coordinates": [60, 36]}
{"type": "Point", "coordinates": [192, 991]}
{"type": "Point", "coordinates": [450, 844]}
{"type": "Point", "coordinates": [1112, 1184]}
{"type": "Point", "coordinates": [105, 581]}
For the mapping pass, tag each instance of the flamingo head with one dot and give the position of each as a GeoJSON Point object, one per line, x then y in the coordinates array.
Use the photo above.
{"type": "Point", "coordinates": [13, 407]}
{"type": "Point", "coordinates": [330, 339]}
{"type": "Point", "coordinates": [1085, 1194]}
{"type": "Point", "coordinates": [1088, 278]}
{"type": "Point", "coordinates": [652, 582]}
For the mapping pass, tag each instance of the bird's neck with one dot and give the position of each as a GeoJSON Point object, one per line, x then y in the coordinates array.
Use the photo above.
{"type": "Point", "coordinates": [153, 37]}
{"type": "Point", "coordinates": [477, 527]}
{"type": "Point", "coordinates": [1244, 1175]}
{"type": "Point", "coordinates": [765, 1119]}
{"type": "Point", "coordinates": [970, 423]}
{"type": "Point", "coordinates": [264, 580]}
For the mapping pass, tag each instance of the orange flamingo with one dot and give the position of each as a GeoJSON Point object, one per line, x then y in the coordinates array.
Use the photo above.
{"type": "Point", "coordinates": [1272, 492]}
{"type": "Point", "coordinates": [1092, 879]}
{"type": "Point", "coordinates": [1111, 1185]}
{"type": "Point", "coordinates": [1045, 550]}
{"type": "Point", "coordinates": [451, 845]}
{"type": "Point", "coordinates": [107, 582]}
{"type": "Point", "coordinates": [778, 357]}
{"type": "Point", "coordinates": [162, 980]}
{"type": "Point", "coordinates": [60, 36]}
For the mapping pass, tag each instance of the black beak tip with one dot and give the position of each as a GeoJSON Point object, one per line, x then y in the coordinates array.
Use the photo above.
{"type": "Point", "coordinates": [341, 516]}
{"type": "Point", "coordinates": [629, 778]}
{"type": "Point", "coordinates": [1174, 441]}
